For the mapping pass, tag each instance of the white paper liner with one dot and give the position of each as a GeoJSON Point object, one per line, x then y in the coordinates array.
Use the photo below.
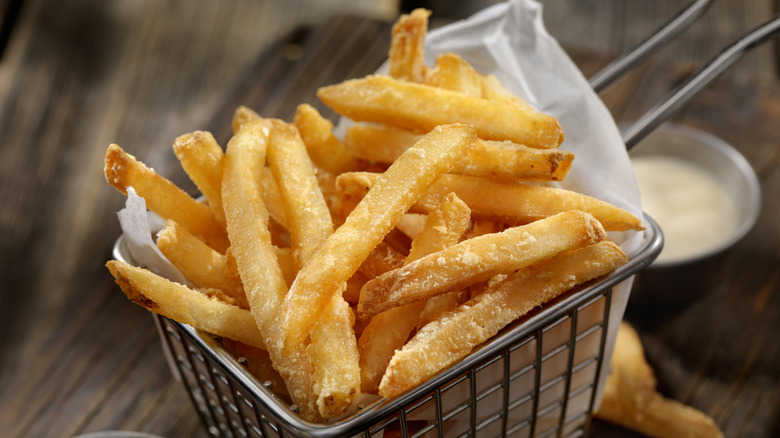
{"type": "Point", "coordinates": [510, 41]}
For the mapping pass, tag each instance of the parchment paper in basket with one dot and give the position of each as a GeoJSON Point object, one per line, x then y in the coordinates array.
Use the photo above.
{"type": "Point", "coordinates": [510, 41]}
{"type": "Point", "coordinates": [137, 226]}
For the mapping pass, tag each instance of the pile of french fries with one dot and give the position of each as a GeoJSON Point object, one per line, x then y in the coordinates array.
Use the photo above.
{"type": "Point", "coordinates": [369, 263]}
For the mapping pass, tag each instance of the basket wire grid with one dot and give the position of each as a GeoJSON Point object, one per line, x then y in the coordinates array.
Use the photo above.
{"type": "Point", "coordinates": [536, 378]}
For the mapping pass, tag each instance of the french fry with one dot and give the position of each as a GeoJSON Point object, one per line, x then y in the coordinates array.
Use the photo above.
{"type": "Point", "coordinates": [501, 160]}
{"type": "Point", "coordinates": [272, 198]}
{"type": "Point", "coordinates": [411, 224]}
{"type": "Point", "coordinates": [185, 305]}
{"type": "Point", "coordinates": [381, 259]}
{"type": "Point", "coordinates": [307, 215]}
{"type": "Point", "coordinates": [388, 331]}
{"type": "Point", "coordinates": [324, 148]}
{"type": "Point", "coordinates": [631, 400]}
{"type": "Point", "coordinates": [479, 259]}
{"type": "Point", "coordinates": [201, 157]}
{"type": "Point", "coordinates": [407, 46]}
{"type": "Point", "coordinates": [201, 264]}
{"type": "Point", "coordinates": [442, 343]}
{"type": "Point", "coordinates": [342, 253]}
{"type": "Point", "coordinates": [241, 116]}
{"type": "Point", "coordinates": [258, 267]}
{"type": "Point", "coordinates": [333, 349]}
{"type": "Point", "coordinates": [492, 89]}
{"type": "Point", "coordinates": [163, 197]}
{"type": "Point", "coordinates": [511, 203]}
{"type": "Point", "coordinates": [420, 108]}
{"type": "Point", "coordinates": [452, 72]}
{"type": "Point", "coordinates": [333, 352]}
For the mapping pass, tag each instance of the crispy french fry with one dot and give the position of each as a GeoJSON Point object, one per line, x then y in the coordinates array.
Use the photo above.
{"type": "Point", "coordinates": [201, 157]}
{"type": "Point", "coordinates": [388, 331]}
{"type": "Point", "coordinates": [185, 305]}
{"type": "Point", "coordinates": [342, 253]}
{"type": "Point", "coordinates": [443, 228]}
{"type": "Point", "coordinates": [271, 197]}
{"type": "Point", "coordinates": [324, 148]}
{"type": "Point", "coordinates": [407, 46]}
{"type": "Point", "coordinates": [511, 203]}
{"type": "Point", "coordinates": [479, 259]}
{"type": "Point", "coordinates": [163, 197]}
{"type": "Point", "coordinates": [492, 89]}
{"type": "Point", "coordinates": [381, 259]}
{"type": "Point", "coordinates": [501, 160]}
{"type": "Point", "coordinates": [419, 108]}
{"type": "Point", "coordinates": [258, 267]}
{"type": "Point", "coordinates": [201, 264]}
{"type": "Point", "coordinates": [308, 217]}
{"type": "Point", "coordinates": [241, 116]}
{"type": "Point", "coordinates": [411, 224]}
{"type": "Point", "coordinates": [333, 348]}
{"type": "Point", "coordinates": [452, 72]}
{"type": "Point", "coordinates": [631, 400]}
{"type": "Point", "coordinates": [441, 343]}
{"type": "Point", "coordinates": [334, 354]}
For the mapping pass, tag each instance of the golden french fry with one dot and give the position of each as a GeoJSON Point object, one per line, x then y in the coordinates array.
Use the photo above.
{"type": "Point", "coordinates": [241, 116]}
{"type": "Point", "coordinates": [479, 259]}
{"type": "Point", "coordinates": [333, 348]}
{"type": "Point", "coordinates": [501, 160]}
{"type": "Point", "coordinates": [419, 108]}
{"type": "Point", "coordinates": [201, 157]}
{"type": "Point", "coordinates": [631, 400]}
{"type": "Point", "coordinates": [443, 228]}
{"type": "Point", "coordinates": [287, 263]}
{"type": "Point", "coordinates": [411, 224]}
{"type": "Point", "coordinates": [163, 197]}
{"type": "Point", "coordinates": [492, 89]}
{"type": "Point", "coordinates": [271, 197]}
{"type": "Point", "coordinates": [388, 331]}
{"type": "Point", "coordinates": [443, 342]}
{"type": "Point", "coordinates": [333, 352]}
{"type": "Point", "coordinates": [263, 280]}
{"type": "Point", "coordinates": [381, 259]}
{"type": "Point", "coordinates": [511, 203]}
{"type": "Point", "coordinates": [185, 305]}
{"type": "Point", "coordinates": [437, 306]}
{"type": "Point", "coordinates": [324, 148]}
{"type": "Point", "coordinates": [342, 253]}
{"type": "Point", "coordinates": [407, 46]}
{"type": "Point", "coordinates": [308, 217]}
{"type": "Point", "coordinates": [201, 264]}
{"type": "Point", "coordinates": [452, 72]}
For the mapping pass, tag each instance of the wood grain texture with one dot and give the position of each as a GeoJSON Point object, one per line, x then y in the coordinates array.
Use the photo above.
{"type": "Point", "coordinates": [78, 357]}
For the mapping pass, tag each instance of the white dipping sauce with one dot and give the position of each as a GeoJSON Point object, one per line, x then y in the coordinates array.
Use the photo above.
{"type": "Point", "coordinates": [693, 209]}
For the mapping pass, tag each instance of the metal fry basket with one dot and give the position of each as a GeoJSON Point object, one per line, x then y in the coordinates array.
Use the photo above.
{"type": "Point", "coordinates": [536, 378]}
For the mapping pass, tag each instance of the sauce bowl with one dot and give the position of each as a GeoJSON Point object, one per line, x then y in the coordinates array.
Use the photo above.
{"type": "Point", "coordinates": [683, 279]}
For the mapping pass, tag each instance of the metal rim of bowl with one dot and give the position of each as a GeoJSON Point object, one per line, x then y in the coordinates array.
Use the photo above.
{"type": "Point", "coordinates": [745, 170]}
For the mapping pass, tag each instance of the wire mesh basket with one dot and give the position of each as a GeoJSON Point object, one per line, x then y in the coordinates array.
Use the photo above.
{"type": "Point", "coordinates": [536, 378]}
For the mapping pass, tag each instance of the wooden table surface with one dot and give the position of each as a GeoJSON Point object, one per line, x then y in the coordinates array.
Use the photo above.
{"type": "Point", "coordinates": [76, 356]}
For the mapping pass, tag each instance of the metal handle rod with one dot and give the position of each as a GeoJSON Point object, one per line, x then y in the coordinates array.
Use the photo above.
{"type": "Point", "coordinates": [617, 68]}
{"type": "Point", "coordinates": [683, 93]}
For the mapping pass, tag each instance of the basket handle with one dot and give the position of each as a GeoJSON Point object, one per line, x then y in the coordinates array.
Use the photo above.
{"type": "Point", "coordinates": [617, 68]}
{"type": "Point", "coordinates": [685, 91]}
